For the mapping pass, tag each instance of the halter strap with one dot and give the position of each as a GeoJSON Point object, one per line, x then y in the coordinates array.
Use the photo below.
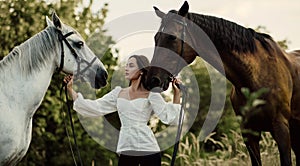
{"type": "Point", "coordinates": [63, 38]}
{"type": "Point", "coordinates": [183, 88]}
{"type": "Point", "coordinates": [183, 36]}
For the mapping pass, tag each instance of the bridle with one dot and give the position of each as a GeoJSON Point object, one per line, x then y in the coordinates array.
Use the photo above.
{"type": "Point", "coordinates": [63, 38]}
{"type": "Point", "coordinates": [182, 87]}
{"type": "Point", "coordinates": [183, 36]}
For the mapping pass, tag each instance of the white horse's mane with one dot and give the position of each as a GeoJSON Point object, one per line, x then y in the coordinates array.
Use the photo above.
{"type": "Point", "coordinates": [34, 53]}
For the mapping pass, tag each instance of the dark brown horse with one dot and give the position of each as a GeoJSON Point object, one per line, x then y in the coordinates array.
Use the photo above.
{"type": "Point", "coordinates": [247, 59]}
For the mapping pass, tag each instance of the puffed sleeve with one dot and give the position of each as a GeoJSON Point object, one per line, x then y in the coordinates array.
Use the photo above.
{"type": "Point", "coordinates": [99, 107]}
{"type": "Point", "coordinates": [167, 112]}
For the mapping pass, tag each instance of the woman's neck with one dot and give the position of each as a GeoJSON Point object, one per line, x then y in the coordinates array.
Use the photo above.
{"type": "Point", "coordinates": [136, 85]}
{"type": "Point", "coordinates": [137, 90]}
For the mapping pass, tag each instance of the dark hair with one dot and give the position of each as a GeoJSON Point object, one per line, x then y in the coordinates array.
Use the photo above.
{"type": "Point", "coordinates": [143, 64]}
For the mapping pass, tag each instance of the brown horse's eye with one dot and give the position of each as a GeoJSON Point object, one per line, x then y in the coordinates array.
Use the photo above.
{"type": "Point", "coordinates": [172, 37]}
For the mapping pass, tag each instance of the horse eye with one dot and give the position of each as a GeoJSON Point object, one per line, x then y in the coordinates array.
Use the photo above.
{"type": "Point", "coordinates": [79, 44]}
{"type": "Point", "coordinates": [172, 37]}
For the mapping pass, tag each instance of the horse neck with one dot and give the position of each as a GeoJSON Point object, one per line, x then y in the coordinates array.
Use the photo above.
{"type": "Point", "coordinates": [26, 72]}
{"type": "Point", "coordinates": [233, 44]}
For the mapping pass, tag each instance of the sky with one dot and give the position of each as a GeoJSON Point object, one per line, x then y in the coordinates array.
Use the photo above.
{"type": "Point", "coordinates": [281, 18]}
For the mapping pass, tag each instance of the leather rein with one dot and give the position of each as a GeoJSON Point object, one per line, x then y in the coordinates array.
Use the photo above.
{"type": "Point", "coordinates": [79, 75]}
{"type": "Point", "coordinates": [182, 87]}
{"type": "Point", "coordinates": [63, 38]}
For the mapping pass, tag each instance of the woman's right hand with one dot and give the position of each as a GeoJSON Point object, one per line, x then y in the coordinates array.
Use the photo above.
{"type": "Point", "coordinates": [69, 81]}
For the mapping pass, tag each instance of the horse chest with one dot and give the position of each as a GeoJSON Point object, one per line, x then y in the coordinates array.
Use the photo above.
{"type": "Point", "coordinates": [18, 103]}
{"type": "Point", "coordinates": [15, 131]}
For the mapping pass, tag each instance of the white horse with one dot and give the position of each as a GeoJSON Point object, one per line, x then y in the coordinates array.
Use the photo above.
{"type": "Point", "coordinates": [25, 75]}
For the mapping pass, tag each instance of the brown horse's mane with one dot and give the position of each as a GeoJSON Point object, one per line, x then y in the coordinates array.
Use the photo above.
{"type": "Point", "coordinates": [229, 35]}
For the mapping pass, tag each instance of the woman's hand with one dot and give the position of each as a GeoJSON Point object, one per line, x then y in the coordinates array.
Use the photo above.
{"type": "Point", "coordinates": [175, 85]}
{"type": "Point", "coordinates": [69, 81]}
{"type": "Point", "coordinates": [176, 89]}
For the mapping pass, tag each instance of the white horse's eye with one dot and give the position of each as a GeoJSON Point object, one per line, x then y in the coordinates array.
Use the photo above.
{"type": "Point", "coordinates": [79, 44]}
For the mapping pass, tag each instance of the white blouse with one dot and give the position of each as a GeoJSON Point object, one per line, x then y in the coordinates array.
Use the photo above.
{"type": "Point", "coordinates": [135, 134]}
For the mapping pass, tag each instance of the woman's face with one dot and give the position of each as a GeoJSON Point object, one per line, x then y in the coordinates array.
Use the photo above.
{"type": "Point", "coordinates": [132, 70]}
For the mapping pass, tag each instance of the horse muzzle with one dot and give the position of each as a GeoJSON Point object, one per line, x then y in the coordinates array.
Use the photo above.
{"type": "Point", "coordinates": [100, 78]}
{"type": "Point", "coordinates": [156, 84]}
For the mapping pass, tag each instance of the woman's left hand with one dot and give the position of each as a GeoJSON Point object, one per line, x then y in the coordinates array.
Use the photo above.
{"type": "Point", "coordinates": [175, 85]}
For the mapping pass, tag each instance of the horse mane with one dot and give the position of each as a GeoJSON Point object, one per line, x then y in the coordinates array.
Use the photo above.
{"type": "Point", "coordinates": [229, 35]}
{"type": "Point", "coordinates": [33, 54]}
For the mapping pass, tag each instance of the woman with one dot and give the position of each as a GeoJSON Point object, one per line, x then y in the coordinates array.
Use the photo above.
{"type": "Point", "coordinates": [135, 105]}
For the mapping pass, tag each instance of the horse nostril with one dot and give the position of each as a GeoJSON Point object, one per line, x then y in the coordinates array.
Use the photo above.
{"type": "Point", "coordinates": [105, 75]}
{"type": "Point", "coordinates": [102, 73]}
{"type": "Point", "coordinates": [101, 76]}
{"type": "Point", "coordinates": [155, 81]}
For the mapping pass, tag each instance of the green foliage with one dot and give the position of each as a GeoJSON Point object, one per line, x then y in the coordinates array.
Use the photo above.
{"type": "Point", "coordinates": [19, 21]}
{"type": "Point", "coordinates": [252, 98]}
{"type": "Point", "coordinates": [252, 105]}
{"type": "Point", "coordinates": [228, 120]}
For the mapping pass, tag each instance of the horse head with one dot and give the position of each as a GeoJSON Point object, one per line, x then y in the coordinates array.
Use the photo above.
{"type": "Point", "coordinates": [172, 49]}
{"type": "Point", "coordinates": [75, 57]}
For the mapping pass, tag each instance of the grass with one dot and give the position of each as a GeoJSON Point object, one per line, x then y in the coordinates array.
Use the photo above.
{"type": "Point", "coordinates": [231, 151]}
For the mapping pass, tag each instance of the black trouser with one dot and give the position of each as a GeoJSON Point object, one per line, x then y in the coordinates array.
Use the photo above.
{"type": "Point", "coordinates": [140, 159]}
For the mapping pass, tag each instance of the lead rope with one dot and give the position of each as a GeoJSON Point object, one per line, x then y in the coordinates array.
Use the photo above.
{"type": "Point", "coordinates": [184, 94]}
{"type": "Point", "coordinates": [180, 123]}
{"type": "Point", "coordinates": [64, 87]}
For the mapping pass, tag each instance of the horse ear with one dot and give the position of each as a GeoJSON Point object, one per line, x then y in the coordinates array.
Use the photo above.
{"type": "Point", "coordinates": [56, 21]}
{"type": "Point", "coordinates": [158, 12]}
{"type": "Point", "coordinates": [183, 11]}
{"type": "Point", "coordinates": [49, 22]}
